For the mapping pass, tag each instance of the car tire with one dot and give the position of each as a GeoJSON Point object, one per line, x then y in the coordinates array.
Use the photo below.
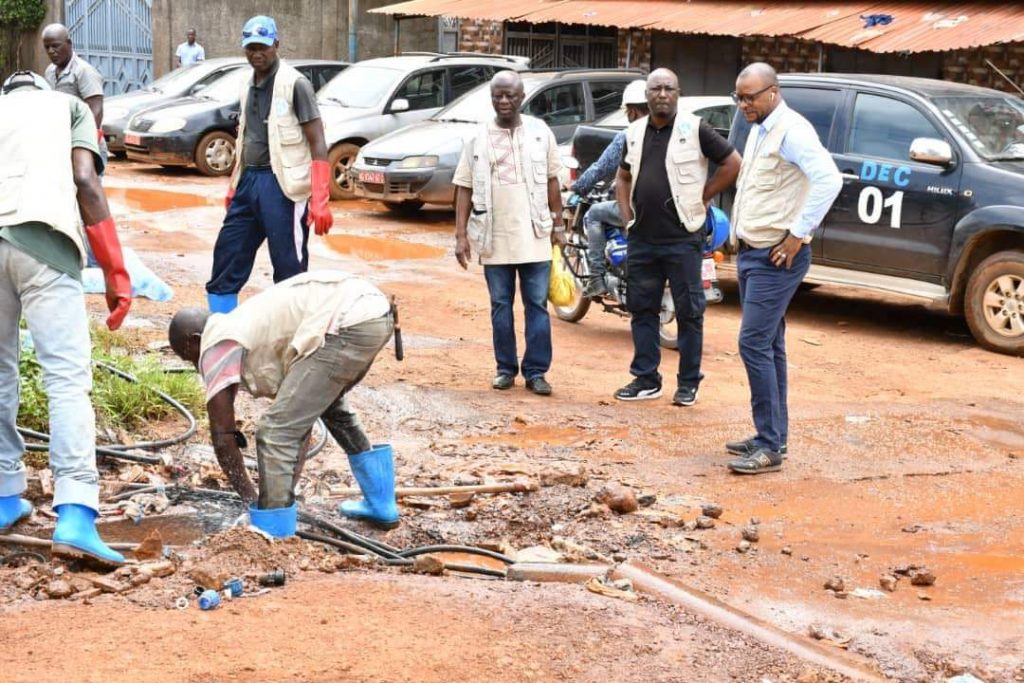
{"type": "Point", "coordinates": [215, 153]}
{"type": "Point", "coordinates": [341, 158]}
{"type": "Point", "coordinates": [406, 208]}
{"type": "Point", "coordinates": [994, 303]}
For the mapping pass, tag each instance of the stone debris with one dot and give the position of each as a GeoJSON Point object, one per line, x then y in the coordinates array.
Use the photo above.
{"type": "Point", "coordinates": [836, 584]}
{"type": "Point", "coordinates": [427, 564]}
{"type": "Point", "coordinates": [922, 577]}
{"type": "Point", "coordinates": [460, 500]}
{"type": "Point", "coordinates": [711, 510]}
{"type": "Point", "coordinates": [751, 534]}
{"type": "Point", "coordinates": [618, 498]}
{"type": "Point", "coordinates": [888, 582]}
{"type": "Point", "coordinates": [704, 522]}
{"type": "Point", "coordinates": [743, 546]}
{"type": "Point", "coordinates": [565, 476]}
{"type": "Point", "coordinates": [58, 589]}
{"type": "Point", "coordinates": [786, 550]}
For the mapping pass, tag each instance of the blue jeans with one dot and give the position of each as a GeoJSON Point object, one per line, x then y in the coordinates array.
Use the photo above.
{"type": "Point", "coordinates": [533, 285]}
{"type": "Point", "coordinates": [648, 266]}
{"type": "Point", "coordinates": [595, 220]}
{"type": "Point", "coordinates": [765, 293]}
{"type": "Point", "coordinates": [259, 211]}
{"type": "Point", "coordinates": [54, 308]}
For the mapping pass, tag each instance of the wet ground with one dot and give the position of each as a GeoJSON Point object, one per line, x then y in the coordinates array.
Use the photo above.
{"type": "Point", "coordinates": [906, 447]}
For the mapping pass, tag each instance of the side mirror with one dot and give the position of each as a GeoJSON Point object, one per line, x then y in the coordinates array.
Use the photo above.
{"type": "Point", "coordinates": [399, 105]}
{"type": "Point", "coordinates": [571, 163]}
{"type": "Point", "coordinates": [931, 151]}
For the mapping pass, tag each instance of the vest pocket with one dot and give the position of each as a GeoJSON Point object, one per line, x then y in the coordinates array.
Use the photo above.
{"type": "Point", "coordinates": [685, 164]}
{"type": "Point", "coordinates": [293, 147]}
{"type": "Point", "coordinates": [11, 178]}
{"type": "Point", "coordinates": [766, 171]}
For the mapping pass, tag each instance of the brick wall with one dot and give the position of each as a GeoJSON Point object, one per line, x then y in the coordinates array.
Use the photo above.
{"type": "Point", "coordinates": [477, 35]}
{"type": "Point", "coordinates": [784, 53]}
{"type": "Point", "coordinates": [968, 66]}
{"type": "Point", "coordinates": [639, 51]}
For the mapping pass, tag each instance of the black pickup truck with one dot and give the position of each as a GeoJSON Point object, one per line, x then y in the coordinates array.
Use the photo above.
{"type": "Point", "coordinates": [933, 199]}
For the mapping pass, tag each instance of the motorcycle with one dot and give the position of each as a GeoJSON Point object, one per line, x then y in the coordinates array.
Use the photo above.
{"type": "Point", "coordinates": [574, 254]}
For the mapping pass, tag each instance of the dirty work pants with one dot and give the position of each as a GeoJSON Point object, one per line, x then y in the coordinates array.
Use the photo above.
{"type": "Point", "coordinates": [533, 285]}
{"type": "Point", "coordinates": [597, 218]}
{"type": "Point", "coordinates": [316, 387]}
{"type": "Point", "coordinates": [765, 293]}
{"type": "Point", "coordinates": [648, 267]}
{"type": "Point", "coordinates": [259, 211]}
{"type": "Point", "coordinates": [54, 308]}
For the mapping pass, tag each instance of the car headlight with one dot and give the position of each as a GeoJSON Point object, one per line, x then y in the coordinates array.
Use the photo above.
{"type": "Point", "coordinates": [418, 162]}
{"type": "Point", "coordinates": [114, 113]}
{"type": "Point", "coordinates": [168, 125]}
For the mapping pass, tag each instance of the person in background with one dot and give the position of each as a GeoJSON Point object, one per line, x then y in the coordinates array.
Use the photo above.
{"type": "Point", "coordinates": [190, 52]}
{"type": "Point", "coordinates": [70, 74]}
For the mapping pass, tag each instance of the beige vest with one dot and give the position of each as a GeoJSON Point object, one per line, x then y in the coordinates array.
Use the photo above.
{"type": "Point", "coordinates": [284, 324]}
{"type": "Point", "coordinates": [36, 178]}
{"type": "Point", "coordinates": [770, 191]}
{"type": "Point", "coordinates": [687, 167]}
{"type": "Point", "coordinates": [533, 158]}
{"type": "Point", "coordinates": [290, 156]}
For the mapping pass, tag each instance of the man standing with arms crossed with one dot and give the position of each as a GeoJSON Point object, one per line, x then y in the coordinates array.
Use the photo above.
{"type": "Point", "coordinates": [72, 75]}
{"type": "Point", "coordinates": [48, 143]}
{"type": "Point", "coordinates": [787, 184]}
{"type": "Point", "coordinates": [663, 190]}
{"type": "Point", "coordinates": [280, 182]}
{"type": "Point", "coordinates": [508, 207]}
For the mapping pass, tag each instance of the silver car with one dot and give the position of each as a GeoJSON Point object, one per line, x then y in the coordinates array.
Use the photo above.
{"type": "Point", "coordinates": [377, 96]}
{"type": "Point", "coordinates": [415, 165]}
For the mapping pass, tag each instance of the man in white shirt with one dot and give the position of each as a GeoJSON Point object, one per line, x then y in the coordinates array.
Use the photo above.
{"type": "Point", "coordinates": [786, 185]}
{"type": "Point", "coordinates": [190, 52]}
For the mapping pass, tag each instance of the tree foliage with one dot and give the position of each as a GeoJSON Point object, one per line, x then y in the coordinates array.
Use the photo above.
{"type": "Point", "coordinates": [16, 17]}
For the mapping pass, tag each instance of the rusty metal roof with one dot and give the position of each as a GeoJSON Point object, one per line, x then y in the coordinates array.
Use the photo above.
{"type": "Point", "coordinates": [915, 26]}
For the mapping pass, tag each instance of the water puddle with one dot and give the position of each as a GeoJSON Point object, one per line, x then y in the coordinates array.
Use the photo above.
{"type": "Point", "coordinates": [381, 249]}
{"type": "Point", "coordinates": [140, 199]}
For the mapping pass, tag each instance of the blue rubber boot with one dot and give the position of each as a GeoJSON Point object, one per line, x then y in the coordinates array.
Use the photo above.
{"type": "Point", "coordinates": [375, 471]}
{"type": "Point", "coordinates": [278, 522]}
{"type": "Point", "coordinates": [75, 536]}
{"type": "Point", "coordinates": [221, 303]}
{"type": "Point", "coordinates": [13, 509]}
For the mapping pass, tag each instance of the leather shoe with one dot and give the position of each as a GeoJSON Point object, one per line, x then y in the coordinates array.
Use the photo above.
{"type": "Point", "coordinates": [539, 385]}
{"type": "Point", "coordinates": [502, 382]}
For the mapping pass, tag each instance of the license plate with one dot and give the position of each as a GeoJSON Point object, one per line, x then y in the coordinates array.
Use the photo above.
{"type": "Point", "coordinates": [707, 270]}
{"type": "Point", "coordinates": [131, 139]}
{"type": "Point", "coordinates": [371, 177]}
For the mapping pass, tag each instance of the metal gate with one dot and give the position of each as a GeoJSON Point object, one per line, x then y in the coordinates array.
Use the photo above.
{"type": "Point", "coordinates": [116, 37]}
{"type": "Point", "coordinates": [553, 45]}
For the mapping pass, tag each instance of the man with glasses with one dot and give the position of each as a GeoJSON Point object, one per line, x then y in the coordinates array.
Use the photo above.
{"type": "Point", "coordinates": [279, 186]}
{"type": "Point", "coordinates": [663, 190]}
{"type": "Point", "coordinates": [787, 183]}
{"type": "Point", "coordinates": [508, 207]}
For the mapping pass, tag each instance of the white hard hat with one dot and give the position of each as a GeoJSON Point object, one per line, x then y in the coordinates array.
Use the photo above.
{"type": "Point", "coordinates": [19, 79]}
{"type": "Point", "coordinates": [635, 93]}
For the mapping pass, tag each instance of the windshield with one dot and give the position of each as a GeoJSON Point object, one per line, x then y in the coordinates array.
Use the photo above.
{"type": "Point", "coordinates": [227, 87]}
{"type": "Point", "coordinates": [359, 86]}
{"type": "Point", "coordinates": [475, 106]}
{"type": "Point", "coordinates": [180, 79]}
{"type": "Point", "coordinates": [994, 126]}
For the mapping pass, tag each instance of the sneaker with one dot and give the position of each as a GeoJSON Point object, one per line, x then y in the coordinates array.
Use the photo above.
{"type": "Point", "coordinates": [595, 287]}
{"type": "Point", "coordinates": [685, 396]}
{"type": "Point", "coordinates": [638, 390]}
{"type": "Point", "coordinates": [759, 462]}
{"type": "Point", "coordinates": [539, 385]}
{"type": "Point", "coordinates": [746, 447]}
{"type": "Point", "coordinates": [502, 381]}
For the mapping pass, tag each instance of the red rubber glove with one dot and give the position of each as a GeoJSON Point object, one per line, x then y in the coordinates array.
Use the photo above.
{"type": "Point", "coordinates": [228, 197]}
{"type": "Point", "coordinates": [99, 135]}
{"type": "Point", "coordinates": [319, 212]}
{"type": "Point", "coordinates": [107, 249]}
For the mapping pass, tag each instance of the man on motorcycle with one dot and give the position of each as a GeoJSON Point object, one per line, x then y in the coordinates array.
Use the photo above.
{"type": "Point", "coordinates": [634, 101]}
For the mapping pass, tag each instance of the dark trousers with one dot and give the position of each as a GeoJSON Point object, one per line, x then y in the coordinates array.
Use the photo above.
{"type": "Point", "coordinates": [648, 267]}
{"type": "Point", "coordinates": [259, 211]}
{"type": "Point", "coordinates": [533, 285]}
{"type": "Point", "coordinates": [765, 293]}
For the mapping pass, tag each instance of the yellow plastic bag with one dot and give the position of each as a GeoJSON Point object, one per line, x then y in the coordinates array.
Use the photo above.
{"type": "Point", "coordinates": [562, 285]}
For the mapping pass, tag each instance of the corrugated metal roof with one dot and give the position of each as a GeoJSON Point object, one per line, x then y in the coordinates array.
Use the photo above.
{"type": "Point", "coordinates": [915, 26]}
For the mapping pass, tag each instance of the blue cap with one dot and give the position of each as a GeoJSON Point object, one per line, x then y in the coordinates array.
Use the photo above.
{"type": "Point", "coordinates": [260, 29]}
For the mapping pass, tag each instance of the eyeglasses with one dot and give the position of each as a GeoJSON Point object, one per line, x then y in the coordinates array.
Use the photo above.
{"type": "Point", "coordinates": [262, 31]}
{"type": "Point", "coordinates": [749, 99]}
{"type": "Point", "coordinates": [668, 90]}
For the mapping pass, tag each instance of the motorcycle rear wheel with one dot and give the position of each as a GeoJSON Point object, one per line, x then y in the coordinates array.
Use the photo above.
{"type": "Point", "coordinates": [575, 259]}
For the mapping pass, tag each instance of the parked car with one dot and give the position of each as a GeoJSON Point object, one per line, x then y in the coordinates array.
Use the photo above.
{"type": "Point", "coordinates": [377, 96]}
{"type": "Point", "coordinates": [589, 142]}
{"type": "Point", "coordinates": [183, 81]}
{"type": "Point", "coordinates": [415, 165]}
{"type": "Point", "coordinates": [933, 199]}
{"type": "Point", "coordinates": [200, 129]}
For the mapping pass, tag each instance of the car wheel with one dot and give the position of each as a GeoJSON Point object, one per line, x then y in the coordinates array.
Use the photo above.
{"type": "Point", "coordinates": [341, 159]}
{"type": "Point", "coordinates": [668, 335]}
{"type": "Point", "coordinates": [406, 208]}
{"type": "Point", "coordinates": [573, 255]}
{"type": "Point", "coordinates": [994, 303]}
{"type": "Point", "coordinates": [215, 153]}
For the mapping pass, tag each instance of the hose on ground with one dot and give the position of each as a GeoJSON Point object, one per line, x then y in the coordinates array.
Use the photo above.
{"type": "Point", "coordinates": [465, 549]}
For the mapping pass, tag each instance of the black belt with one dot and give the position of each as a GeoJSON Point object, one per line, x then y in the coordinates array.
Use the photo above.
{"type": "Point", "coordinates": [254, 167]}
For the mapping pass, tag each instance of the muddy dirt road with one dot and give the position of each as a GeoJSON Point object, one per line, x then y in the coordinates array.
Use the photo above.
{"type": "Point", "coordinates": [906, 448]}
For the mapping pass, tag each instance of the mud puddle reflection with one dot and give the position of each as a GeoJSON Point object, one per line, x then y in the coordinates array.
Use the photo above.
{"type": "Point", "coordinates": [381, 249]}
{"type": "Point", "coordinates": [141, 199]}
